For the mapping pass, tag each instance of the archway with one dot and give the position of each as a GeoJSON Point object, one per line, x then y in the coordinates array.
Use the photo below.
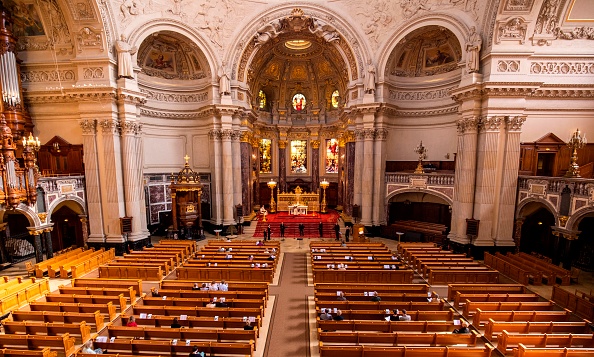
{"type": "Point", "coordinates": [68, 230]}
{"type": "Point", "coordinates": [18, 245]}
{"type": "Point", "coordinates": [582, 250]}
{"type": "Point", "coordinates": [537, 234]}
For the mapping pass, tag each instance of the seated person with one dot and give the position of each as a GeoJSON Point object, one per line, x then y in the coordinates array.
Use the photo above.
{"type": "Point", "coordinates": [214, 286]}
{"type": "Point", "coordinates": [341, 297]}
{"type": "Point", "coordinates": [211, 304]}
{"type": "Point", "coordinates": [395, 316]}
{"type": "Point", "coordinates": [204, 287]}
{"type": "Point", "coordinates": [196, 286]}
{"type": "Point", "coordinates": [221, 303]}
{"type": "Point", "coordinates": [248, 325]}
{"type": "Point", "coordinates": [132, 322]}
{"type": "Point", "coordinates": [259, 243]}
{"type": "Point", "coordinates": [223, 286]}
{"type": "Point", "coordinates": [263, 211]}
{"type": "Point", "coordinates": [175, 323]}
{"type": "Point", "coordinates": [325, 315]}
{"type": "Point", "coordinates": [463, 327]}
{"type": "Point", "coordinates": [338, 316]}
{"type": "Point", "coordinates": [155, 293]}
{"type": "Point", "coordinates": [395, 257]}
{"type": "Point", "coordinates": [376, 297]}
{"type": "Point", "coordinates": [404, 316]}
{"type": "Point", "coordinates": [395, 267]}
{"type": "Point", "coordinates": [222, 249]}
{"type": "Point", "coordinates": [88, 348]}
{"type": "Point", "coordinates": [196, 352]}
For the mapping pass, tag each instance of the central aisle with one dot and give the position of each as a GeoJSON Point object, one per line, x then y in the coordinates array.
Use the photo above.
{"type": "Point", "coordinates": [288, 333]}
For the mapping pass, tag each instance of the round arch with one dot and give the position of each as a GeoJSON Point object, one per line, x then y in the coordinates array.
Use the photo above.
{"type": "Point", "coordinates": [440, 195]}
{"type": "Point", "coordinates": [26, 211]}
{"type": "Point", "coordinates": [545, 203]}
{"type": "Point", "coordinates": [241, 52]}
{"type": "Point", "coordinates": [140, 33]}
{"type": "Point", "coordinates": [458, 23]}
{"type": "Point", "coordinates": [575, 219]}
{"type": "Point", "coordinates": [75, 203]}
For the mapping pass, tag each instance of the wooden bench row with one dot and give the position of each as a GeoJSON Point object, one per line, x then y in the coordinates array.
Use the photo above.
{"type": "Point", "coordinates": [209, 294]}
{"type": "Point", "coordinates": [63, 345]}
{"type": "Point", "coordinates": [494, 328]}
{"type": "Point", "coordinates": [387, 326]}
{"type": "Point", "coordinates": [448, 276]}
{"type": "Point", "coordinates": [228, 274]}
{"type": "Point", "coordinates": [81, 267]}
{"type": "Point", "coordinates": [202, 302]}
{"type": "Point", "coordinates": [523, 351]}
{"type": "Point", "coordinates": [118, 301]}
{"type": "Point", "coordinates": [380, 276]}
{"type": "Point", "coordinates": [385, 296]}
{"type": "Point", "coordinates": [513, 269]}
{"type": "Point", "coordinates": [182, 334]}
{"type": "Point", "coordinates": [42, 267]}
{"type": "Point", "coordinates": [44, 352]}
{"type": "Point", "coordinates": [506, 340]}
{"type": "Point", "coordinates": [131, 272]}
{"type": "Point", "coordinates": [108, 309]}
{"type": "Point", "coordinates": [404, 351]}
{"type": "Point", "coordinates": [196, 311]}
{"type": "Point", "coordinates": [556, 272]}
{"type": "Point", "coordinates": [360, 288]}
{"type": "Point", "coordinates": [453, 289]}
{"type": "Point", "coordinates": [398, 338]}
{"type": "Point", "coordinates": [129, 293]}
{"type": "Point", "coordinates": [470, 307]}
{"type": "Point", "coordinates": [462, 297]}
{"type": "Point", "coordinates": [187, 243]}
{"type": "Point", "coordinates": [23, 293]}
{"type": "Point", "coordinates": [574, 302]}
{"type": "Point", "coordinates": [192, 321]}
{"type": "Point", "coordinates": [382, 305]}
{"type": "Point", "coordinates": [95, 319]}
{"type": "Point", "coordinates": [379, 315]}
{"type": "Point", "coordinates": [136, 348]}
{"type": "Point", "coordinates": [233, 285]}
{"type": "Point", "coordinates": [81, 331]}
{"type": "Point", "coordinates": [481, 316]}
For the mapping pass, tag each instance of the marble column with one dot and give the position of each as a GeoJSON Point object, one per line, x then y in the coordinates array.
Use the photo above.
{"type": "Point", "coordinates": [359, 158]}
{"type": "Point", "coordinates": [228, 182]}
{"type": "Point", "coordinates": [509, 182]}
{"type": "Point", "coordinates": [464, 180]}
{"type": "Point", "coordinates": [4, 257]}
{"type": "Point", "coordinates": [282, 166]}
{"type": "Point", "coordinates": [112, 187]}
{"type": "Point", "coordinates": [37, 245]}
{"type": "Point", "coordinates": [236, 154]}
{"type": "Point", "coordinates": [350, 177]}
{"type": "Point", "coordinates": [367, 178]}
{"type": "Point", "coordinates": [256, 170]}
{"type": "Point", "coordinates": [49, 248]}
{"type": "Point", "coordinates": [485, 198]}
{"type": "Point", "coordinates": [246, 173]}
{"type": "Point", "coordinates": [216, 137]}
{"type": "Point", "coordinates": [341, 173]}
{"type": "Point", "coordinates": [92, 181]}
{"type": "Point", "coordinates": [85, 228]}
{"type": "Point", "coordinates": [379, 170]}
{"type": "Point", "coordinates": [315, 165]}
{"type": "Point", "coordinates": [518, 233]}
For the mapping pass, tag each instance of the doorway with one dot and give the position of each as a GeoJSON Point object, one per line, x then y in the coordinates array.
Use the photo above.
{"type": "Point", "coordinates": [545, 164]}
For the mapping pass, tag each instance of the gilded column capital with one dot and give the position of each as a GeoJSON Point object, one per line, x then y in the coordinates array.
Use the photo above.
{"type": "Point", "coordinates": [88, 126]}
{"type": "Point", "coordinates": [315, 144]}
{"type": "Point", "coordinates": [246, 137]}
{"type": "Point", "coordinates": [282, 144]}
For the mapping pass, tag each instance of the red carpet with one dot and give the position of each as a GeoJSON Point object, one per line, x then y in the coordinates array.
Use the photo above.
{"type": "Point", "coordinates": [311, 222]}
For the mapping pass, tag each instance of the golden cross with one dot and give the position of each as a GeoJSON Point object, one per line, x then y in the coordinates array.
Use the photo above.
{"type": "Point", "coordinates": [187, 158]}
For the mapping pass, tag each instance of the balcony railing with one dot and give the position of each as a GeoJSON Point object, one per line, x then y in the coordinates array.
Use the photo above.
{"type": "Point", "coordinates": [555, 185]}
{"type": "Point", "coordinates": [433, 179]}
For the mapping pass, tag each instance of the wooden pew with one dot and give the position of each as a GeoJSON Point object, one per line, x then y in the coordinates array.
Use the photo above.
{"type": "Point", "coordinates": [168, 348]}
{"type": "Point", "coordinates": [443, 277]}
{"type": "Point", "coordinates": [360, 288]}
{"type": "Point", "coordinates": [44, 352]}
{"type": "Point", "coordinates": [19, 294]}
{"type": "Point", "coordinates": [233, 286]}
{"type": "Point", "coordinates": [196, 311]}
{"type": "Point", "coordinates": [555, 271]}
{"type": "Point", "coordinates": [209, 294]}
{"type": "Point", "coordinates": [146, 255]}
{"type": "Point", "coordinates": [119, 301]}
{"type": "Point", "coordinates": [160, 333]}
{"type": "Point", "coordinates": [404, 351]}
{"type": "Point", "coordinates": [398, 338]}
{"type": "Point", "coordinates": [462, 297]}
{"type": "Point", "coordinates": [485, 288]}
{"type": "Point", "coordinates": [65, 267]}
{"type": "Point", "coordinates": [578, 304]}
{"type": "Point", "coordinates": [510, 270]}
{"type": "Point", "coordinates": [386, 326]}
{"type": "Point", "coordinates": [64, 344]}
{"type": "Point", "coordinates": [127, 272]}
{"type": "Point", "coordinates": [95, 319]}
{"type": "Point", "coordinates": [193, 302]}
{"type": "Point", "coordinates": [106, 309]}
{"type": "Point", "coordinates": [228, 274]}
{"type": "Point", "coordinates": [86, 266]}
{"type": "Point", "coordinates": [470, 307]}
{"type": "Point", "coordinates": [386, 296]}
{"type": "Point", "coordinates": [494, 328]}
{"type": "Point", "coordinates": [506, 340]}
{"type": "Point", "coordinates": [129, 292]}
{"type": "Point", "coordinates": [379, 315]}
{"type": "Point", "coordinates": [53, 264]}
{"type": "Point", "coordinates": [81, 331]}
{"type": "Point", "coordinates": [136, 284]}
{"type": "Point", "coordinates": [523, 351]}
{"type": "Point", "coordinates": [188, 243]}
{"type": "Point", "coordinates": [364, 276]}
{"type": "Point", "coordinates": [192, 321]}
{"type": "Point", "coordinates": [534, 316]}
{"type": "Point", "coordinates": [382, 305]}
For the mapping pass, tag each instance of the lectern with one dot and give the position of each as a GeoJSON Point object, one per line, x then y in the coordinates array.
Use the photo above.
{"type": "Point", "coordinates": [186, 194]}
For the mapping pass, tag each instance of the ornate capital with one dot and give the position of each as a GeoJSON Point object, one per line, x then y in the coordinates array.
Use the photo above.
{"type": "Point", "coordinates": [131, 127]}
{"type": "Point", "coordinates": [315, 144]}
{"type": "Point", "coordinates": [110, 126]}
{"type": "Point", "coordinates": [359, 135]}
{"type": "Point", "coordinates": [369, 134]}
{"type": "Point", "coordinates": [215, 134]}
{"type": "Point", "coordinates": [282, 144]}
{"type": "Point", "coordinates": [88, 126]}
{"type": "Point", "coordinates": [245, 137]}
{"type": "Point", "coordinates": [469, 124]}
{"type": "Point", "coordinates": [514, 123]}
{"type": "Point", "coordinates": [236, 135]}
{"type": "Point", "coordinates": [227, 134]}
{"type": "Point", "coordinates": [381, 134]}
{"type": "Point", "coordinates": [491, 123]}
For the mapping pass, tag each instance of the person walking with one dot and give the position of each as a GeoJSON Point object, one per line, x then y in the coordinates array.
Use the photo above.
{"type": "Point", "coordinates": [337, 231]}
{"type": "Point", "coordinates": [321, 229]}
{"type": "Point", "coordinates": [347, 234]}
{"type": "Point", "coordinates": [282, 230]}
{"type": "Point", "coordinates": [269, 231]}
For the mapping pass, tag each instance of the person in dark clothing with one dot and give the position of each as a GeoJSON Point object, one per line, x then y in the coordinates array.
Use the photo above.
{"type": "Point", "coordinates": [265, 233]}
{"type": "Point", "coordinates": [175, 323]}
{"type": "Point", "coordinates": [196, 352]}
{"type": "Point", "coordinates": [463, 328]}
{"type": "Point", "coordinates": [282, 230]}
{"type": "Point", "coordinates": [248, 325]}
{"type": "Point", "coordinates": [321, 229]}
{"type": "Point", "coordinates": [221, 304]}
{"type": "Point", "coordinates": [338, 316]}
{"type": "Point", "coordinates": [376, 297]}
{"type": "Point", "coordinates": [301, 229]}
{"type": "Point", "coordinates": [347, 234]}
{"type": "Point", "coordinates": [337, 231]}
{"type": "Point", "coordinates": [269, 231]}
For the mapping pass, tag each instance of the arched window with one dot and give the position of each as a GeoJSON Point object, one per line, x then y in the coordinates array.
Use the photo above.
{"type": "Point", "coordinates": [261, 99]}
{"type": "Point", "coordinates": [265, 156]}
{"type": "Point", "coordinates": [335, 98]}
{"type": "Point", "coordinates": [299, 101]}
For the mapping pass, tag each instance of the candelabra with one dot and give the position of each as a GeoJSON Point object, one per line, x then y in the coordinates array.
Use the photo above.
{"type": "Point", "coordinates": [272, 185]}
{"type": "Point", "coordinates": [30, 171]}
{"type": "Point", "coordinates": [422, 152]}
{"type": "Point", "coordinates": [324, 185]}
{"type": "Point", "coordinates": [576, 141]}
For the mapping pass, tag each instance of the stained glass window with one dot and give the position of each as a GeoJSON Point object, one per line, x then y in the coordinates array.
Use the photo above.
{"type": "Point", "coordinates": [299, 101]}
{"type": "Point", "coordinates": [335, 98]}
{"type": "Point", "coordinates": [331, 156]}
{"type": "Point", "coordinates": [261, 99]}
{"type": "Point", "coordinates": [265, 156]}
{"type": "Point", "coordinates": [299, 156]}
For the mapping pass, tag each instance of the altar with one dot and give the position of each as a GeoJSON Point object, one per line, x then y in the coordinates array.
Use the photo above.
{"type": "Point", "coordinates": [298, 202]}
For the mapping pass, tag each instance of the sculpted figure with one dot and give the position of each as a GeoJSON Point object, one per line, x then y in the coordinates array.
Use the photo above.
{"type": "Point", "coordinates": [125, 53]}
{"type": "Point", "coordinates": [325, 31]}
{"type": "Point", "coordinates": [268, 32]}
{"type": "Point", "coordinates": [224, 80]}
{"type": "Point", "coordinates": [370, 78]}
{"type": "Point", "coordinates": [473, 49]}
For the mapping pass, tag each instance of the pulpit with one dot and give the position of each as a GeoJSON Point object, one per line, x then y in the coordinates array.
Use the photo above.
{"type": "Point", "coordinates": [186, 193]}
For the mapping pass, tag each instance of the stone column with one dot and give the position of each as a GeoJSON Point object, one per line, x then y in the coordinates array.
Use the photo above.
{"type": "Point", "coordinates": [518, 233]}
{"type": "Point", "coordinates": [367, 178]}
{"type": "Point", "coordinates": [236, 154]}
{"type": "Point", "coordinates": [350, 177]}
{"type": "Point", "coordinates": [486, 191]}
{"type": "Point", "coordinates": [37, 244]}
{"type": "Point", "coordinates": [341, 173]}
{"type": "Point", "coordinates": [110, 162]}
{"type": "Point", "coordinates": [464, 179]}
{"type": "Point", "coordinates": [92, 180]}
{"type": "Point", "coordinates": [358, 175]}
{"type": "Point", "coordinates": [246, 173]}
{"type": "Point", "coordinates": [5, 258]}
{"type": "Point", "coordinates": [49, 248]}
{"type": "Point", "coordinates": [217, 181]}
{"type": "Point", "coordinates": [228, 182]}
{"type": "Point", "coordinates": [282, 166]}
{"type": "Point", "coordinates": [256, 169]}
{"type": "Point", "coordinates": [85, 228]}
{"type": "Point", "coordinates": [379, 173]}
{"type": "Point", "coordinates": [315, 165]}
{"type": "Point", "coordinates": [509, 182]}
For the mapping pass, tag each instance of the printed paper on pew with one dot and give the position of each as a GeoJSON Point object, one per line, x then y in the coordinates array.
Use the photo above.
{"type": "Point", "coordinates": [174, 342]}
{"type": "Point", "coordinates": [143, 315]}
{"type": "Point", "coordinates": [183, 317]}
{"type": "Point", "coordinates": [112, 339]}
{"type": "Point", "coordinates": [188, 342]}
{"type": "Point", "coordinates": [216, 318]}
{"type": "Point", "coordinates": [387, 311]}
{"type": "Point", "coordinates": [338, 293]}
{"type": "Point", "coordinates": [149, 316]}
{"type": "Point", "coordinates": [387, 318]}
{"type": "Point", "coordinates": [365, 293]}
{"type": "Point", "coordinates": [335, 310]}
{"type": "Point", "coordinates": [101, 339]}
{"type": "Point", "coordinates": [456, 322]}
{"type": "Point", "coordinates": [164, 297]}
{"type": "Point", "coordinates": [245, 318]}
{"type": "Point", "coordinates": [252, 319]}
{"type": "Point", "coordinates": [222, 299]}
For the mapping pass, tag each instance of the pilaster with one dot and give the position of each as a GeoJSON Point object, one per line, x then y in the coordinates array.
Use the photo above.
{"type": "Point", "coordinates": [315, 164]}
{"type": "Point", "coordinates": [282, 166]}
{"type": "Point", "coordinates": [379, 169]}
{"type": "Point", "coordinates": [228, 190]}
{"type": "Point", "coordinates": [245, 148]}
{"type": "Point", "coordinates": [236, 154]}
{"type": "Point", "coordinates": [92, 180]}
{"type": "Point", "coordinates": [216, 136]}
{"type": "Point", "coordinates": [367, 177]}
{"type": "Point", "coordinates": [358, 174]}
{"type": "Point", "coordinates": [350, 177]}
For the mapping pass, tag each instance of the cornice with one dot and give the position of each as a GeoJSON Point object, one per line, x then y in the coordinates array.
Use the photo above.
{"type": "Point", "coordinates": [428, 112]}
{"type": "Point", "coordinates": [208, 111]}
{"type": "Point", "coordinates": [57, 96]}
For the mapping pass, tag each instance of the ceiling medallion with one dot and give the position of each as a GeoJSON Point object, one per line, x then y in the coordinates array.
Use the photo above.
{"type": "Point", "coordinates": [298, 45]}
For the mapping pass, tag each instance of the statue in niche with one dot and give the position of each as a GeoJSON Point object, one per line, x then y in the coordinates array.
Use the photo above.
{"type": "Point", "coordinates": [473, 49]}
{"type": "Point", "coordinates": [125, 52]}
{"type": "Point", "coordinates": [370, 78]}
{"type": "Point", "coordinates": [268, 32]}
{"type": "Point", "coordinates": [224, 80]}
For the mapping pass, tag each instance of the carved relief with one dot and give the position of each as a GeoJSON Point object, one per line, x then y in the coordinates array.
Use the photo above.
{"type": "Point", "coordinates": [467, 124]}
{"type": "Point", "coordinates": [130, 127]}
{"type": "Point", "coordinates": [508, 66]}
{"type": "Point", "coordinates": [537, 189]}
{"type": "Point", "coordinates": [109, 126]}
{"type": "Point", "coordinates": [175, 98]}
{"type": "Point", "coordinates": [129, 9]}
{"type": "Point", "coordinates": [88, 37]}
{"type": "Point", "coordinates": [514, 123]}
{"type": "Point", "coordinates": [577, 33]}
{"type": "Point", "coordinates": [48, 76]}
{"type": "Point", "coordinates": [58, 33]}
{"type": "Point", "coordinates": [562, 68]}
{"type": "Point", "coordinates": [513, 29]}
{"type": "Point", "coordinates": [424, 95]}
{"type": "Point", "coordinates": [518, 5]}
{"type": "Point", "coordinates": [215, 134]}
{"type": "Point", "coordinates": [547, 17]}
{"type": "Point", "coordinates": [81, 10]}
{"type": "Point", "coordinates": [93, 73]}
